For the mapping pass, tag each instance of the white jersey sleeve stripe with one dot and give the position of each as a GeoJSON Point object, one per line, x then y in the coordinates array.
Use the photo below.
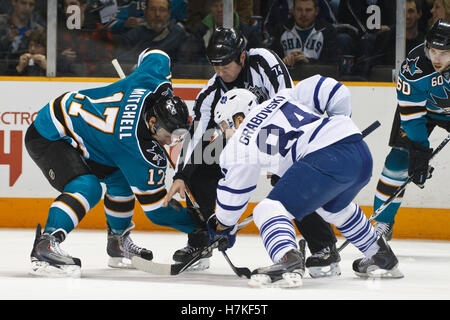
{"type": "Point", "coordinates": [231, 208]}
{"type": "Point", "coordinates": [333, 91]}
{"type": "Point", "coordinates": [316, 95]}
{"type": "Point", "coordinates": [236, 191]}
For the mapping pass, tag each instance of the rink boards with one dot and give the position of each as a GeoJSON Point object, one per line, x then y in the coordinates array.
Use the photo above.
{"type": "Point", "coordinates": [25, 195]}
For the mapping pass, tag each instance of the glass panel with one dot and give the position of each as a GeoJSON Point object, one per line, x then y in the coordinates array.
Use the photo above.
{"type": "Point", "coordinates": [85, 46]}
{"type": "Point", "coordinates": [23, 37]}
{"type": "Point", "coordinates": [351, 40]}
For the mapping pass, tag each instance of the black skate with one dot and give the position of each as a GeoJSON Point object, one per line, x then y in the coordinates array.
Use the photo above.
{"type": "Point", "coordinates": [197, 241]}
{"type": "Point", "coordinates": [324, 263]}
{"type": "Point", "coordinates": [386, 229]}
{"type": "Point", "coordinates": [47, 258]}
{"type": "Point", "coordinates": [121, 249]}
{"type": "Point", "coordinates": [383, 264]}
{"type": "Point", "coordinates": [286, 274]}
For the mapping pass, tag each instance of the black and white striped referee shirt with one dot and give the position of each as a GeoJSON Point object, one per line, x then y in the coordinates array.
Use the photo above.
{"type": "Point", "coordinates": [264, 74]}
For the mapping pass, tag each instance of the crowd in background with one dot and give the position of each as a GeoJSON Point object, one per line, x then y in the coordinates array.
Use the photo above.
{"type": "Point", "coordinates": [347, 34]}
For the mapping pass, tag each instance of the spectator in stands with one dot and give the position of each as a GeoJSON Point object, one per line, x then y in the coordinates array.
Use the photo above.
{"type": "Point", "coordinates": [132, 15]}
{"type": "Point", "coordinates": [215, 19]}
{"type": "Point", "coordinates": [34, 61]}
{"type": "Point", "coordinates": [245, 10]}
{"type": "Point", "coordinates": [196, 11]}
{"type": "Point", "coordinates": [85, 50]}
{"type": "Point", "coordinates": [156, 33]}
{"type": "Point", "coordinates": [376, 43]}
{"type": "Point", "coordinates": [414, 36]}
{"type": "Point", "coordinates": [282, 10]}
{"type": "Point", "coordinates": [128, 17]}
{"type": "Point", "coordinates": [305, 38]}
{"type": "Point", "coordinates": [15, 28]}
{"type": "Point", "coordinates": [440, 10]}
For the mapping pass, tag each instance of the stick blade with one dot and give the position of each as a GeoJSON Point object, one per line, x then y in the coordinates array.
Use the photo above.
{"type": "Point", "coordinates": [152, 267]}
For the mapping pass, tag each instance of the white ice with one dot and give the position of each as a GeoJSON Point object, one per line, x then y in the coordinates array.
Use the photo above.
{"type": "Point", "coordinates": [425, 264]}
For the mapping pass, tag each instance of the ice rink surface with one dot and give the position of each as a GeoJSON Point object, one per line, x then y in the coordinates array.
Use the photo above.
{"type": "Point", "coordinates": [425, 264]}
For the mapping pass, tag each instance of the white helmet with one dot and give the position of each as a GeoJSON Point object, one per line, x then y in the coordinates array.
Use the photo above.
{"type": "Point", "coordinates": [233, 102]}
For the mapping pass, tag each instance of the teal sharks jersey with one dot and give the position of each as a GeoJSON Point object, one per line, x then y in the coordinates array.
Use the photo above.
{"type": "Point", "coordinates": [106, 125]}
{"type": "Point", "coordinates": [421, 92]}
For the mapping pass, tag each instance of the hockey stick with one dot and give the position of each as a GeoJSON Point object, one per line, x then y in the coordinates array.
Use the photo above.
{"type": "Point", "coordinates": [370, 128]}
{"type": "Point", "coordinates": [398, 191]}
{"type": "Point", "coordinates": [118, 68]}
{"type": "Point", "coordinates": [177, 268]}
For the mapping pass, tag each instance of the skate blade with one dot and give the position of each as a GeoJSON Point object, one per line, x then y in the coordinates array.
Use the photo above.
{"type": "Point", "coordinates": [289, 280]}
{"type": "Point", "coordinates": [200, 265]}
{"type": "Point", "coordinates": [333, 270]}
{"type": "Point", "coordinates": [376, 272]}
{"type": "Point", "coordinates": [44, 269]}
{"type": "Point", "coordinates": [120, 263]}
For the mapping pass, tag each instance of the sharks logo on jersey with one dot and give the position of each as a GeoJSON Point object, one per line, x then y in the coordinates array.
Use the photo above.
{"type": "Point", "coordinates": [441, 102]}
{"type": "Point", "coordinates": [155, 156]}
{"type": "Point", "coordinates": [411, 66]}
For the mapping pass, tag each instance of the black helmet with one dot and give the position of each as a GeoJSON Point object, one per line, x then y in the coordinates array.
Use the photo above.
{"type": "Point", "coordinates": [438, 36]}
{"type": "Point", "coordinates": [225, 46]}
{"type": "Point", "coordinates": [171, 113]}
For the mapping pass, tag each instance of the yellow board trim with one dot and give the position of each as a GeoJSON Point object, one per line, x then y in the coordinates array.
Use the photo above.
{"type": "Point", "coordinates": [410, 223]}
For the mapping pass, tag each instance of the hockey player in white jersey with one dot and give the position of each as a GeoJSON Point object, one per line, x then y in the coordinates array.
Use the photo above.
{"type": "Point", "coordinates": [323, 164]}
{"type": "Point", "coordinates": [325, 96]}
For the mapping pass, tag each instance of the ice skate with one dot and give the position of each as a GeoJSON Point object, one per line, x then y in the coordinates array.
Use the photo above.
{"type": "Point", "coordinates": [121, 249]}
{"type": "Point", "coordinates": [386, 229]}
{"type": "Point", "coordinates": [324, 263]}
{"type": "Point", "coordinates": [48, 260]}
{"type": "Point", "coordinates": [286, 274]}
{"type": "Point", "coordinates": [383, 264]}
{"type": "Point", "coordinates": [197, 240]}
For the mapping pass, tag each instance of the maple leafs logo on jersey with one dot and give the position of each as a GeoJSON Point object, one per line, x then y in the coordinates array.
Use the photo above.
{"type": "Point", "coordinates": [411, 66]}
{"type": "Point", "coordinates": [443, 103]}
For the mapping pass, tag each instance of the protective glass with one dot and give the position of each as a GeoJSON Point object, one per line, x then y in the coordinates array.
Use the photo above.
{"type": "Point", "coordinates": [170, 139]}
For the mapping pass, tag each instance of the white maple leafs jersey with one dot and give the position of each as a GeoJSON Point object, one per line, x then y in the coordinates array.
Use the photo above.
{"type": "Point", "coordinates": [273, 136]}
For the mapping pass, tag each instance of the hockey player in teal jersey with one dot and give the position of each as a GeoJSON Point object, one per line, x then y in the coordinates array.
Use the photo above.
{"type": "Point", "coordinates": [423, 91]}
{"type": "Point", "coordinates": [112, 135]}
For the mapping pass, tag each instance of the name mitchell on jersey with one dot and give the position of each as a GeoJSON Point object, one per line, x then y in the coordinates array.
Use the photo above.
{"type": "Point", "coordinates": [129, 115]}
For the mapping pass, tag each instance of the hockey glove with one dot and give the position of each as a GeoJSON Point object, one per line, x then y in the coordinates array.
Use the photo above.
{"type": "Point", "coordinates": [217, 230]}
{"type": "Point", "coordinates": [274, 179]}
{"type": "Point", "coordinates": [419, 169]}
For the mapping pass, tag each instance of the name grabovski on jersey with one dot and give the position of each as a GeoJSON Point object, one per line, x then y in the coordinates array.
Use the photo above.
{"type": "Point", "coordinates": [255, 121]}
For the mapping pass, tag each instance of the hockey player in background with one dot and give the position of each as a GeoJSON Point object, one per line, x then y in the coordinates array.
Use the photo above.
{"type": "Point", "coordinates": [264, 73]}
{"type": "Point", "coordinates": [112, 135]}
{"type": "Point", "coordinates": [423, 91]}
{"type": "Point", "coordinates": [323, 164]}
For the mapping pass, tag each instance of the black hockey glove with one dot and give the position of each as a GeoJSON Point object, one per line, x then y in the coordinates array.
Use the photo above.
{"type": "Point", "coordinates": [274, 179]}
{"type": "Point", "coordinates": [419, 169]}
{"type": "Point", "coordinates": [217, 230]}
